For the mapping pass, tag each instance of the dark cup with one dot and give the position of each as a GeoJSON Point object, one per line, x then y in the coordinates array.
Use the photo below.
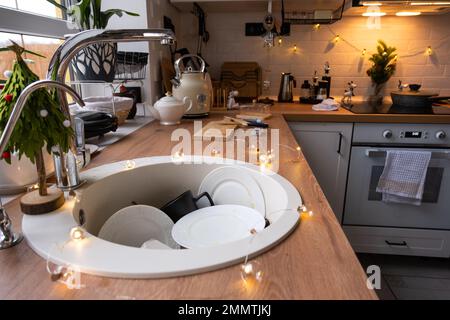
{"type": "Point", "coordinates": [183, 204]}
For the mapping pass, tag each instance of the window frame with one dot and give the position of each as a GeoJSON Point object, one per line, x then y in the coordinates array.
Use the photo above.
{"type": "Point", "coordinates": [32, 24]}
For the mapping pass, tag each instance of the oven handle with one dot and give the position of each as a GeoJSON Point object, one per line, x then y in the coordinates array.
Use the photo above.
{"type": "Point", "coordinates": [375, 153]}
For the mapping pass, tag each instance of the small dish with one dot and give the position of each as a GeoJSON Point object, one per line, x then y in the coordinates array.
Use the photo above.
{"type": "Point", "coordinates": [231, 185]}
{"type": "Point", "coordinates": [414, 87]}
{"type": "Point", "coordinates": [217, 225]}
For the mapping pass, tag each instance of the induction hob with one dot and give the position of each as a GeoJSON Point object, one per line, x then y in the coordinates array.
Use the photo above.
{"type": "Point", "coordinates": [368, 108]}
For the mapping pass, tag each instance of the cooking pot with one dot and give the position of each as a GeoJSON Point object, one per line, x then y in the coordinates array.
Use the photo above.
{"type": "Point", "coordinates": [415, 99]}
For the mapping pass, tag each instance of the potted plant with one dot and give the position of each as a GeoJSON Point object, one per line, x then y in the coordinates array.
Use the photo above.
{"type": "Point", "coordinates": [384, 64]}
{"type": "Point", "coordinates": [97, 61]}
{"type": "Point", "coordinates": [41, 125]}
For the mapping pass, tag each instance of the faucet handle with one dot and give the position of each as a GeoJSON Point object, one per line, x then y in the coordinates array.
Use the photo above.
{"type": "Point", "coordinates": [8, 238]}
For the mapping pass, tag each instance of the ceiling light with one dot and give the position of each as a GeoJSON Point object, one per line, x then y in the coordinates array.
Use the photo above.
{"type": "Point", "coordinates": [374, 14]}
{"type": "Point", "coordinates": [408, 13]}
{"type": "Point", "coordinates": [435, 3]}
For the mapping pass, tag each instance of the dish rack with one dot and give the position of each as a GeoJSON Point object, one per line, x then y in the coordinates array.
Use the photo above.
{"type": "Point", "coordinates": [106, 102]}
{"type": "Point", "coordinates": [131, 65]}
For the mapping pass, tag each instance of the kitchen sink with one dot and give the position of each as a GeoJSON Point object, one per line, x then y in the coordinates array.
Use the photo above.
{"type": "Point", "coordinates": [152, 181]}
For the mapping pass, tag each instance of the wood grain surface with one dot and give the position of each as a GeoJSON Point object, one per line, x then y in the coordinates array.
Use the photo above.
{"type": "Point", "coordinates": [315, 262]}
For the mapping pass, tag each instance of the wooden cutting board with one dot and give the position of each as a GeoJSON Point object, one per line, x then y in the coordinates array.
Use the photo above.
{"type": "Point", "coordinates": [249, 115]}
{"type": "Point", "coordinates": [217, 129]}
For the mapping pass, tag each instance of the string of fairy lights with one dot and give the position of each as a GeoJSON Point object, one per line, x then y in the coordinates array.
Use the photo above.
{"type": "Point", "coordinates": [251, 271]}
{"type": "Point", "coordinates": [336, 38]}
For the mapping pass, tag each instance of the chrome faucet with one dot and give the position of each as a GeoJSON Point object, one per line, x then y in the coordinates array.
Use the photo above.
{"type": "Point", "coordinates": [59, 64]}
{"type": "Point", "coordinates": [66, 165]}
{"type": "Point", "coordinates": [17, 111]}
{"type": "Point", "coordinates": [8, 238]}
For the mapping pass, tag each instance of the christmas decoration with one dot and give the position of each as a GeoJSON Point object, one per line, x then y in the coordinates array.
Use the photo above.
{"type": "Point", "coordinates": [384, 64]}
{"type": "Point", "coordinates": [33, 131]}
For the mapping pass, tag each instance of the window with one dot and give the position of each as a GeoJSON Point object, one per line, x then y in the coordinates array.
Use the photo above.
{"type": "Point", "coordinates": [42, 45]}
{"type": "Point", "coordinates": [36, 25]}
{"type": "Point", "coordinates": [41, 7]}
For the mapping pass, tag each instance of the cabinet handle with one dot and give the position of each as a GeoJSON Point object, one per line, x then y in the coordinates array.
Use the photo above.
{"type": "Point", "coordinates": [340, 143]}
{"type": "Point", "coordinates": [397, 244]}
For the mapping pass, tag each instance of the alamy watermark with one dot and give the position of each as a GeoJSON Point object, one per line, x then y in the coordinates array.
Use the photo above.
{"type": "Point", "coordinates": [253, 145]}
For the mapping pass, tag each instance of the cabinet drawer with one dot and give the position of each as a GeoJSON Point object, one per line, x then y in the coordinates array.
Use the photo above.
{"type": "Point", "coordinates": [411, 242]}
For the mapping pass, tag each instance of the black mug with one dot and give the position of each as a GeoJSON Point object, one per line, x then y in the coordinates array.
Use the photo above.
{"type": "Point", "coordinates": [183, 204]}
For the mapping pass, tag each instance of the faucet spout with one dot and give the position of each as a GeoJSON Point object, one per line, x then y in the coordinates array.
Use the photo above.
{"type": "Point", "coordinates": [20, 104]}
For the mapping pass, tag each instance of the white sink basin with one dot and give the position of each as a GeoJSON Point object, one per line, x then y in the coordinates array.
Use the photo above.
{"type": "Point", "coordinates": [152, 181]}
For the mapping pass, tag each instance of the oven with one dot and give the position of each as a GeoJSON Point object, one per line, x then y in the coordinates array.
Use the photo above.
{"type": "Point", "coordinates": [375, 226]}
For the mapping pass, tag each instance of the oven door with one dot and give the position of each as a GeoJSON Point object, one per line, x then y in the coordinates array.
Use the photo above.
{"type": "Point", "coordinates": [364, 207]}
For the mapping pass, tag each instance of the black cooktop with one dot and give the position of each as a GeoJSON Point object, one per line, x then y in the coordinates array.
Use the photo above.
{"type": "Point", "coordinates": [367, 108]}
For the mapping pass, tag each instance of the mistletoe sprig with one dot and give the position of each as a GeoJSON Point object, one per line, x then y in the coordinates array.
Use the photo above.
{"type": "Point", "coordinates": [41, 123]}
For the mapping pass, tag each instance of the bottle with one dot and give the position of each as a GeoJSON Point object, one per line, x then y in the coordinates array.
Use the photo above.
{"type": "Point", "coordinates": [322, 92]}
{"type": "Point", "coordinates": [327, 78]}
{"type": "Point", "coordinates": [314, 90]}
{"type": "Point", "coordinates": [305, 91]}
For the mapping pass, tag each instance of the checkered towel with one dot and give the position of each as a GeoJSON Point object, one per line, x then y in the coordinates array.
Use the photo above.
{"type": "Point", "coordinates": [403, 177]}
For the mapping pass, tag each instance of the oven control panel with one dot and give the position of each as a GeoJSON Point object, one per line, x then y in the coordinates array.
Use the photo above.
{"type": "Point", "coordinates": [396, 133]}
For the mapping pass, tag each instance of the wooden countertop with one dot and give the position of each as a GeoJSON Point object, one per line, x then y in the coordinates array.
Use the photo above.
{"type": "Point", "coordinates": [315, 262]}
{"type": "Point", "coordinates": [304, 112]}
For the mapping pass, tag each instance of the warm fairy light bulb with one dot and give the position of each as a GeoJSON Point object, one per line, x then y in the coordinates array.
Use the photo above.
{"type": "Point", "coordinates": [77, 234]}
{"type": "Point", "coordinates": [298, 149]}
{"type": "Point", "coordinates": [215, 153]}
{"type": "Point", "coordinates": [336, 38]}
{"type": "Point", "coordinates": [280, 41]}
{"type": "Point", "coordinates": [251, 271]}
{"type": "Point", "coordinates": [316, 26]}
{"type": "Point", "coordinates": [429, 51]}
{"type": "Point", "coordinates": [310, 213]}
{"type": "Point", "coordinates": [130, 164]}
{"type": "Point", "coordinates": [295, 48]}
{"type": "Point", "coordinates": [363, 52]}
{"type": "Point", "coordinates": [178, 156]}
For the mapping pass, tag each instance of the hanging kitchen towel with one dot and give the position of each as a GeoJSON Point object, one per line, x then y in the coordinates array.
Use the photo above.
{"type": "Point", "coordinates": [326, 105]}
{"type": "Point", "coordinates": [403, 177]}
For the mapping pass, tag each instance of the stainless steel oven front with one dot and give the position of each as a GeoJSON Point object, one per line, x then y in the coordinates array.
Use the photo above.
{"type": "Point", "coordinates": [363, 205]}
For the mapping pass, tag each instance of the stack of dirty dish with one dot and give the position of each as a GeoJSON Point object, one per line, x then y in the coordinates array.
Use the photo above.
{"type": "Point", "coordinates": [230, 206]}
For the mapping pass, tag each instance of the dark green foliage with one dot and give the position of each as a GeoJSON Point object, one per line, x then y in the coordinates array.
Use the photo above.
{"type": "Point", "coordinates": [87, 14]}
{"type": "Point", "coordinates": [384, 63]}
{"type": "Point", "coordinates": [32, 132]}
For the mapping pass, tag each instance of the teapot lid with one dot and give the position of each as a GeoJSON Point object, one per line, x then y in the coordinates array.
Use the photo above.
{"type": "Point", "coordinates": [168, 99]}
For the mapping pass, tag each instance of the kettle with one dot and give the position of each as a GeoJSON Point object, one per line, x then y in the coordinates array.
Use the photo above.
{"type": "Point", "coordinates": [195, 84]}
{"type": "Point", "coordinates": [169, 110]}
{"type": "Point", "coordinates": [287, 86]}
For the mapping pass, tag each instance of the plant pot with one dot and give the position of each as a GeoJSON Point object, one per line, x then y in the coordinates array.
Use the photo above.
{"type": "Point", "coordinates": [96, 63]}
{"type": "Point", "coordinates": [376, 95]}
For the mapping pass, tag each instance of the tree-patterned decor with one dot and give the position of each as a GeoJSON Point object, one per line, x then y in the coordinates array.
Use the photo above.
{"type": "Point", "coordinates": [96, 62]}
{"type": "Point", "coordinates": [41, 123]}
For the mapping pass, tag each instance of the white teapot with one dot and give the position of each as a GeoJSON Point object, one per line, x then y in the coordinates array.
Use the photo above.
{"type": "Point", "coordinates": [169, 110]}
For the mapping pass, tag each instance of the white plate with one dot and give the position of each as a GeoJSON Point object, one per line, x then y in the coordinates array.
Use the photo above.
{"type": "Point", "coordinates": [133, 226]}
{"type": "Point", "coordinates": [231, 185]}
{"type": "Point", "coordinates": [92, 148]}
{"type": "Point", "coordinates": [216, 225]}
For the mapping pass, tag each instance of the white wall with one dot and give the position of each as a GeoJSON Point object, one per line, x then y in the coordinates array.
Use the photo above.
{"type": "Point", "coordinates": [411, 36]}
{"type": "Point", "coordinates": [151, 14]}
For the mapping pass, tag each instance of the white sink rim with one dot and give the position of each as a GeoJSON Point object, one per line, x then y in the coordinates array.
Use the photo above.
{"type": "Point", "coordinates": [99, 257]}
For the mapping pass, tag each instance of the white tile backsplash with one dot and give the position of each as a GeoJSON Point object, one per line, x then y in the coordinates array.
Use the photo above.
{"type": "Point", "coordinates": [411, 36]}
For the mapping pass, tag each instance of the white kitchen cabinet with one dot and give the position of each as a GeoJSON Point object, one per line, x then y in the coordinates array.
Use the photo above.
{"type": "Point", "coordinates": [326, 147]}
